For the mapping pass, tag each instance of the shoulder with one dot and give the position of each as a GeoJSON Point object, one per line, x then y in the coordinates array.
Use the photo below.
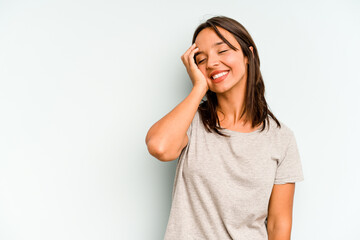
{"type": "Point", "coordinates": [282, 134]}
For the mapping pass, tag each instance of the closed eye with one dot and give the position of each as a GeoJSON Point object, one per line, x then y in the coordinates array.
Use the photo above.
{"type": "Point", "coordinates": [205, 58]}
{"type": "Point", "coordinates": [201, 61]}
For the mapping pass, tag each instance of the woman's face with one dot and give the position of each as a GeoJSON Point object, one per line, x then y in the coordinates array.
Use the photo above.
{"type": "Point", "coordinates": [222, 66]}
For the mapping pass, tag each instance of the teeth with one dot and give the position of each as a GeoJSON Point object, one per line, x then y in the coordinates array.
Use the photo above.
{"type": "Point", "coordinates": [219, 75]}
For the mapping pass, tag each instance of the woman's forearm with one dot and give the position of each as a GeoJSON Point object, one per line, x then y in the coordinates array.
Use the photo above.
{"type": "Point", "coordinates": [279, 233]}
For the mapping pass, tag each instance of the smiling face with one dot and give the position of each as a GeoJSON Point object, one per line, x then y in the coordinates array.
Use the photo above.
{"type": "Point", "coordinates": [222, 66]}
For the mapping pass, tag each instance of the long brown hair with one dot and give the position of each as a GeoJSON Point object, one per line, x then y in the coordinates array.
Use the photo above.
{"type": "Point", "coordinates": [256, 109]}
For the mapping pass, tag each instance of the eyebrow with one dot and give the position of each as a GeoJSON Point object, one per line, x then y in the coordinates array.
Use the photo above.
{"type": "Point", "coordinates": [216, 44]}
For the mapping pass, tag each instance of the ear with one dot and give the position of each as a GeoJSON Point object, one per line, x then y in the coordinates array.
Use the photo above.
{"type": "Point", "coordinates": [246, 58]}
{"type": "Point", "coordinates": [252, 49]}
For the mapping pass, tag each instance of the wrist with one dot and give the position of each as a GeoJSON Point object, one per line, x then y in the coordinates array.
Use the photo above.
{"type": "Point", "coordinates": [200, 89]}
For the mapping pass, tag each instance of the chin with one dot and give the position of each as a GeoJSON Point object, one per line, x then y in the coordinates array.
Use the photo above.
{"type": "Point", "coordinates": [219, 90]}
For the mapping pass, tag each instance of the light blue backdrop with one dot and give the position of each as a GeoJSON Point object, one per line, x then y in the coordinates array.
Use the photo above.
{"type": "Point", "coordinates": [81, 82]}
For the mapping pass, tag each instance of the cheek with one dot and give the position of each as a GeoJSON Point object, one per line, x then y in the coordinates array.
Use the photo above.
{"type": "Point", "coordinates": [235, 63]}
{"type": "Point", "coordinates": [203, 70]}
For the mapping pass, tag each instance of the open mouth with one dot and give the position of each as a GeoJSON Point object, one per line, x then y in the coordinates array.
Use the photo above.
{"type": "Point", "coordinates": [220, 76]}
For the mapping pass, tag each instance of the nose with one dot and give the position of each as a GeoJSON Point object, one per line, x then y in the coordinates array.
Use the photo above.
{"type": "Point", "coordinates": [212, 61]}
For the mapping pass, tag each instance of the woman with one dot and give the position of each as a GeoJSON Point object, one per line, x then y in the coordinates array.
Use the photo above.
{"type": "Point", "coordinates": [237, 167]}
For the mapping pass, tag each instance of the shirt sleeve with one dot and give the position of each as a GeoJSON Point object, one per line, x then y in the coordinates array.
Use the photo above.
{"type": "Point", "coordinates": [189, 134]}
{"type": "Point", "coordinates": [289, 168]}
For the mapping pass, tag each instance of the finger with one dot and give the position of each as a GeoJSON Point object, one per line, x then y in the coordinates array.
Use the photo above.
{"type": "Point", "coordinates": [190, 48]}
{"type": "Point", "coordinates": [186, 54]}
{"type": "Point", "coordinates": [191, 58]}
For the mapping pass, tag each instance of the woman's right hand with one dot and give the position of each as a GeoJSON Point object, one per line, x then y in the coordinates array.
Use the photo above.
{"type": "Point", "coordinates": [196, 76]}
